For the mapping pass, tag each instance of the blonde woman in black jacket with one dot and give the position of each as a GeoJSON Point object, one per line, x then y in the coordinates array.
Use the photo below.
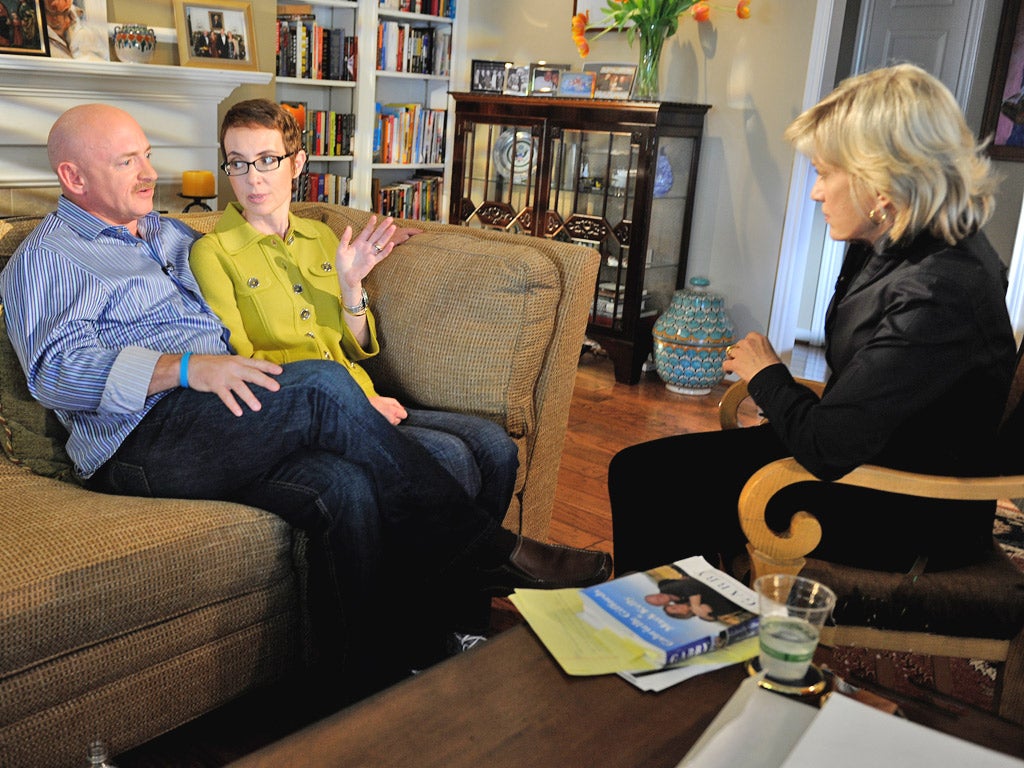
{"type": "Point", "coordinates": [918, 342]}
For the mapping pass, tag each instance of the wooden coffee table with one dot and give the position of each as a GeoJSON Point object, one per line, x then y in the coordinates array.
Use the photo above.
{"type": "Point", "coordinates": [507, 703]}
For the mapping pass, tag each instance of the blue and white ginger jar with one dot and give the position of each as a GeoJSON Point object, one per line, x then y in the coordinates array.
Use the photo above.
{"type": "Point", "coordinates": [690, 338]}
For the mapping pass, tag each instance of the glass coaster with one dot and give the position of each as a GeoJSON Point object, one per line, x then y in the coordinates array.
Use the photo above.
{"type": "Point", "coordinates": [812, 683]}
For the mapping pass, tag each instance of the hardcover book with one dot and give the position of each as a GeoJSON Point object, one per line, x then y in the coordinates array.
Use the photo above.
{"type": "Point", "coordinates": [675, 611]}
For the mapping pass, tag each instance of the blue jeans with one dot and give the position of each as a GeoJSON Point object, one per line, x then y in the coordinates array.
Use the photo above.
{"type": "Point", "coordinates": [378, 508]}
{"type": "Point", "coordinates": [476, 451]}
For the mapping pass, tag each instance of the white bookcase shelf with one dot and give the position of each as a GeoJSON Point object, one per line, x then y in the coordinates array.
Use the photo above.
{"type": "Point", "coordinates": [372, 86]}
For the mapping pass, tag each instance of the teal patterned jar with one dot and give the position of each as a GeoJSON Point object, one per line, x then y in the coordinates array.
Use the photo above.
{"type": "Point", "coordinates": [690, 338]}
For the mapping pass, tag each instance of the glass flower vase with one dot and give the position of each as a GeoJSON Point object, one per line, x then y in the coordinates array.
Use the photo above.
{"type": "Point", "coordinates": [652, 39]}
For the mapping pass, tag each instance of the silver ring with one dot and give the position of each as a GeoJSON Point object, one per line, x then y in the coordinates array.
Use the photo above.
{"type": "Point", "coordinates": [378, 247]}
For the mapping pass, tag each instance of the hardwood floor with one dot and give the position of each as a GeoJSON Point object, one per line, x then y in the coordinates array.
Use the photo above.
{"type": "Point", "coordinates": [604, 417]}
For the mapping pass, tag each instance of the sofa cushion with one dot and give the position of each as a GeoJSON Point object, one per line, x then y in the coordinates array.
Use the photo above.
{"type": "Point", "coordinates": [83, 570]}
{"type": "Point", "coordinates": [32, 435]}
{"type": "Point", "coordinates": [484, 307]}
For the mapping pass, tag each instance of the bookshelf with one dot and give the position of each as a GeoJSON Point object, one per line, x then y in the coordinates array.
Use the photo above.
{"type": "Point", "coordinates": [369, 175]}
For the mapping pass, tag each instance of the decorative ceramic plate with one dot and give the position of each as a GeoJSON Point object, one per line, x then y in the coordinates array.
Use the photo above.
{"type": "Point", "coordinates": [514, 152]}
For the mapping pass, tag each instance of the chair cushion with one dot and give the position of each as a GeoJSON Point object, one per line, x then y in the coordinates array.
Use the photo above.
{"type": "Point", "coordinates": [959, 602]}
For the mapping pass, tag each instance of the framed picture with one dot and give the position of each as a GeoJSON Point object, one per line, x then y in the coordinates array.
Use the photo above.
{"type": "Point", "coordinates": [23, 28]}
{"type": "Point", "coordinates": [544, 78]}
{"type": "Point", "coordinates": [89, 39]}
{"type": "Point", "coordinates": [487, 76]}
{"type": "Point", "coordinates": [612, 81]}
{"type": "Point", "coordinates": [215, 34]}
{"type": "Point", "coordinates": [1004, 109]}
{"type": "Point", "coordinates": [577, 85]}
{"type": "Point", "coordinates": [597, 14]}
{"type": "Point", "coordinates": [517, 80]}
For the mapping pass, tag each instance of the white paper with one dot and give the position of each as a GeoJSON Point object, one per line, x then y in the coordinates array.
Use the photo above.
{"type": "Point", "coordinates": [848, 734]}
{"type": "Point", "coordinates": [755, 729]}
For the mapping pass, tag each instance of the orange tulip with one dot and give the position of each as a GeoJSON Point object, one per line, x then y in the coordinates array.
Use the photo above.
{"type": "Point", "coordinates": [579, 24]}
{"type": "Point", "coordinates": [743, 9]}
{"type": "Point", "coordinates": [701, 12]}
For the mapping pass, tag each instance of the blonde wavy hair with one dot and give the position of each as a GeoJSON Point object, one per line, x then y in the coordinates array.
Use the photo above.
{"type": "Point", "coordinates": [899, 131]}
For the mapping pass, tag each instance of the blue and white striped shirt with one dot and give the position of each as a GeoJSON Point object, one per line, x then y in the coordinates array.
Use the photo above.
{"type": "Point", "coordinates": [90, 309]}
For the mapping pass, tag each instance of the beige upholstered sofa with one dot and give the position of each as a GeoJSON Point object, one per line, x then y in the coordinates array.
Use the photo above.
{"type": "Point", "coordinates": [124, 617]}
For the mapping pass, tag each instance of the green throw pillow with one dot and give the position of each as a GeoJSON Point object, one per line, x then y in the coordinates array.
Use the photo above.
{"type": "Point", "coordinates": [32, 435]}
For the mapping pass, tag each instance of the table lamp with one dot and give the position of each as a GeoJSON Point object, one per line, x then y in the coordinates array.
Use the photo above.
{"type": "Point", "coordinates": [197, 186]}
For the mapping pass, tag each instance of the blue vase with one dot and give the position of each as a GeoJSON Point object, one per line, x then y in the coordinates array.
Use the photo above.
{"type": "Point", "coordinates": [690, 338]}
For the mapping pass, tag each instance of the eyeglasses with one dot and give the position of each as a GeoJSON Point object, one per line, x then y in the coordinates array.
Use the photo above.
{"type": "Point", "coordinates": [261, 164]}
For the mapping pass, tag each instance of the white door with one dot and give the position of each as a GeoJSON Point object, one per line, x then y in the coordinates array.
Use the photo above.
{"type": "Point", "coordinates": [939, 35]}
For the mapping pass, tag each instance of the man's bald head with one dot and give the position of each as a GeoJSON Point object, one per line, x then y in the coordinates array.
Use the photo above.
{"type": "Point", "coordinates": [76, 131]}
{"type": "Point", "coordinates": [101, 157]}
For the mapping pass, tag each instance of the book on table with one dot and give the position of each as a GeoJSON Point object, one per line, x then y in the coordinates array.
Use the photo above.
{"type": "Point", "coordinates": [675, 611]}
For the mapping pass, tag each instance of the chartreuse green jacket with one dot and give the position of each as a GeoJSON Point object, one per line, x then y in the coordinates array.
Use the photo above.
{"type": "Point", "coordinates": [280, 299]}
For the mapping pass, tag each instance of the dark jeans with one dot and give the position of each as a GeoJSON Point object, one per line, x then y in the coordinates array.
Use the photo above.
{"type": "Point", "coordinates": [484, 459]}
{"type": "Point", "coordinates": [379, 510]}
{"type": "Point", "coordinates": [476, 451]}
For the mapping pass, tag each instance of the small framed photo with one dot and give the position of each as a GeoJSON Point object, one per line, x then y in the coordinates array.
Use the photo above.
{"type": "Point", "coordinates": [612, 81]}
{"type": "Point", "coordinates": [215, 34]}
{"type": "Point", "coordinates": [577, 85]}
{"type": "Point", "coordinates": [544, 78]}
{"type": "Point", "coordinates": [517, 80]}
{"type": "Point", "coordinates": [23, 29]}
{"type": "Point", "coordinates": [487, 76]}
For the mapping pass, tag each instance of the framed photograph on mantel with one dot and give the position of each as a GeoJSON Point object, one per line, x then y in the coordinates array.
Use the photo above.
{"type": "Point", "coordinates": [576, 85]}
{"type": "Point", "coordinates": [544, 78]}
{"type": "Point", "coordinates": [1003, 118]}
{"type": "Point", "coordinates": [215, 34]}
{"type": "Point", "coordinates": [487, 76]}
{"type": "Point", "coordinates": [23, 28]}
{"type": "Point", "coordinates": [517, 80]}
{"type": "Point", "coordinates": [612, 81]}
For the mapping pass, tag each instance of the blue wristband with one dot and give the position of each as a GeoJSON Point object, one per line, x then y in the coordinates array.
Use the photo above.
{"type": "Point", "coordinates": [183, 371]}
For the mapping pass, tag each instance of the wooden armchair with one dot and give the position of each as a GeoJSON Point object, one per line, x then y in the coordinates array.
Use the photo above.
{"type": "Point", "coordinates": [975, 612]}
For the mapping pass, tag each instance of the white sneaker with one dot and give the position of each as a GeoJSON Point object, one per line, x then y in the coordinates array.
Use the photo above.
{"type": "Point", "coordinates": [465, 642]}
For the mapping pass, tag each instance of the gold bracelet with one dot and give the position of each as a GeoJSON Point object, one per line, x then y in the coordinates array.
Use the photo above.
{"type": "Point", "coordinates": [359, 309]}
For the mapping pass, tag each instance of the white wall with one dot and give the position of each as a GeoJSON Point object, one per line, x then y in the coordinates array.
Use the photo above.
{"type": "Point", "coordinates": [752, 74]}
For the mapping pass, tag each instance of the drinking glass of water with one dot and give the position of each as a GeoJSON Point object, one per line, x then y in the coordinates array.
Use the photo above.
{"type": "Point", "coordinates": [793, 611]}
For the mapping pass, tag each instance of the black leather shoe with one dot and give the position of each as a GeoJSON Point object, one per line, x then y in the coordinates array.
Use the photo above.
{"type": "Point", "coordinates": [533, 565]}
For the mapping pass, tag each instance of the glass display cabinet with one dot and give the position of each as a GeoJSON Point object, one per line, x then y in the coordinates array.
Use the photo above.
{"type": "Point", "coordinates": [618, 176]}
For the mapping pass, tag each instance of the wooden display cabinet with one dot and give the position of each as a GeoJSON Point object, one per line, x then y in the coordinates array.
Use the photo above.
{"type": "Point", "coordinates": [618, 176]}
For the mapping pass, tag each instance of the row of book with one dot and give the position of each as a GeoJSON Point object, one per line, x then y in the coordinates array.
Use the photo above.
{"type": "Point", "coordinates": [330, 133]}
{"type": "Point", "coordinates": [409, 133]}
{"type": "Point", "coordinates": [444, 8]}
{"type": "Point", "coordinates": [419, 50]}
{"type": "Point", "coordinates": [416, 198]}
{"type": "Point", "coordinates": [322, 188]}
{"type": "Point", "coordinates": [305, 49]}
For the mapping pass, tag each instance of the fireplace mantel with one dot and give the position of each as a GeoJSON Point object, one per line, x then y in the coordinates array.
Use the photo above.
{"type": "Point", "coordinates": [176, 106]}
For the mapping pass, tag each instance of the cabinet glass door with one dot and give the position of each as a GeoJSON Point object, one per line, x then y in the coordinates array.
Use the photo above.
{"type": "Point", "coordinates": [593, 195]}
